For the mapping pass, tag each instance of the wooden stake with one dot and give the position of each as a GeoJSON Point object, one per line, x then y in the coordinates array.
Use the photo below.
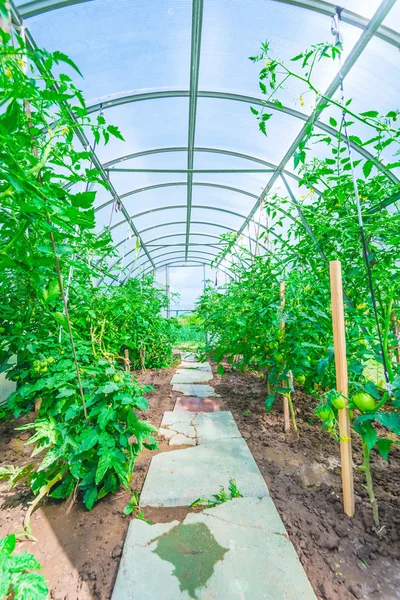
{"type": "Point", "coordinates": [285, 382]}
{"type": "Point", "coordinates": [339, 338]}
{"type": "Point", "coordinates": [127, 361]}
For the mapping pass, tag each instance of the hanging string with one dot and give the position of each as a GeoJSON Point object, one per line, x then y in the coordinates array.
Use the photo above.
{"type": "Point", "coordinates": [335, 29]}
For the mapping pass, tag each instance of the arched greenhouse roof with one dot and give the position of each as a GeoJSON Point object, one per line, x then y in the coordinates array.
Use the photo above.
{"type": "Point", "coordinates": [175, 77]}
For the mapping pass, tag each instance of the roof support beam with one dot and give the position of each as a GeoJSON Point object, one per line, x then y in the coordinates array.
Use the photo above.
{"type": "Point", "coordinates": [197, 21]}
{"type": "Point", "coordinates": [18, 22]}
{"type": "Point", "coordinates": [157, 94]}
{"type": "Point", "coordinates": [352, 58]}
{"type": "Point", "coordinates": [31, 8]}
{"type": "Point", "coordinates": [181, 252]}
{"type": "Point", "coordinates": [189, 171]}
{"type": "Point", "coordinates": [195, 262]}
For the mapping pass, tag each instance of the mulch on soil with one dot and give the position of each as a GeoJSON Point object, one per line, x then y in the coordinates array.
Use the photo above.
{"type": "Point", "coordinates": [79, 551]}
{"type": "Point", "coordinates": [344, 558]}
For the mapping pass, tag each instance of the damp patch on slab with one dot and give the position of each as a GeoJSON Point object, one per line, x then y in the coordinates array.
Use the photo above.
{"type": "Point", "coordinates": [194, 552]}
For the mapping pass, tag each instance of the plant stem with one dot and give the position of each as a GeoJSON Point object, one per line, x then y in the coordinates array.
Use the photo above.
{"type": "Point", "coordinates": [43, 492]}
{"type": "Point", "coordinates": [292, 414]}
{"type": "Point", "coordinates": [370, 485]}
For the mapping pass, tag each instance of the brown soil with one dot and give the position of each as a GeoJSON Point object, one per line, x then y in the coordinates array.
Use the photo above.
{"type": "Point", "coordinates": [79, 551]}
{"type": "Point", "coordinates": [344, 558]}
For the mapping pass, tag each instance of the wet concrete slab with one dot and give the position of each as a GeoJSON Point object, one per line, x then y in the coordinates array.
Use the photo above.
{"type": "Point", "coordinates": [201, 390]}
{"type": "Point", "coordinates": [179, 478]}
{"type": "Point", "coordinates": [195, 404]}
{"type": "Point", "coordinates": [191, 376]}
{"type": "Point", "coordinates": [238, 550]}
{"type": "Point", "coordinates": [201, 427]}
{"type": "Point", "coordinates": [199, 366]}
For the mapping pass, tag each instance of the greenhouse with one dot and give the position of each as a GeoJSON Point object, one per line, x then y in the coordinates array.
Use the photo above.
{"type": "Point", "coordinates": [199, 300]}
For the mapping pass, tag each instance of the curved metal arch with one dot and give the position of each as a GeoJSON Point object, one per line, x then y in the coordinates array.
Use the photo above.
{"type": "Point", "coordinates": [178, 184]}
{"type": "Point", "coordinates": [210, 224]}
{"type": "Point", "coordinates": [201, 222]}
{"type": "Point", "coordinates": [31, 8]}
{"type": "Point", "coordinates": [171, 253]}
{"type": "Point", "coordinates": [128, 97]}
{"type": "Point", "coordinates": [177, 261]}
{"type": "Point", "coordinates": [194, 233]}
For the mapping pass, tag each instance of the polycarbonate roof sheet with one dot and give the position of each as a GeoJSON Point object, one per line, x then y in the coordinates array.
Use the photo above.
{"type": "Point", "coordinates": [176, 79]}
{"type": "Point", "coordinates": [121, 45]}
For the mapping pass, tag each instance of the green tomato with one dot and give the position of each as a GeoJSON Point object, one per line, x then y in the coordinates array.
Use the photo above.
{"type": "Point", "coordinates": [324, 413]}
{"type": "Point", "coordinates": [364, 402]}
{"type": "Point", "coordinates": [43, 370]}
{"type": "Point", "coordinates": [300, 379]}
{"type": "Point", "coordinates": [339, 402]}
{"type": "Point", "coordinates": [117, 378]}
{"type": "Point", "coordinates": [278, 356]}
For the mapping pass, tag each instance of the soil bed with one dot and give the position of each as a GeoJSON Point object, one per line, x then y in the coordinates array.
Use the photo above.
{"type": "Point", "coordinates": [79, 551]}
{"type": "Point", "coordinates": [344, 558]}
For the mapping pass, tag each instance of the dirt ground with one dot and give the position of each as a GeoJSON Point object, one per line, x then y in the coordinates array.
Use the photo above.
{"type": "Point", "coordinates": [344, 558]}
{"type": "Point", "coordinates": [79, 551]}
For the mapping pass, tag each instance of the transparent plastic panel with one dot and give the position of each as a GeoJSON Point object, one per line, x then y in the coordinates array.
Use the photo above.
{"type": "Point", "coordinates": [373, 84]}
{"type": "Point", "coordinates": [146, 125]}
{"type": "Point", "coordinates": [121, 46]}
{"type": "Point", "coordinates": [240, 203]}
{"type": "Point", "coordinates": [233, 31]}
{"type": "Point", "coordinates": [249, 182]}
{"type": "Point", "coordinates": [126, 182]}
{"type": "Point", "coordinates": [230, 125]}
{"type": "Point", "coordinates": [393, 19]}
{"type": "Point", "coordinates": [222, 219]}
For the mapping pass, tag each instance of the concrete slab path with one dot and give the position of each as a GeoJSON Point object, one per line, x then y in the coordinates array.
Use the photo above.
{"type": "Point", "coordinates": [238, 550]}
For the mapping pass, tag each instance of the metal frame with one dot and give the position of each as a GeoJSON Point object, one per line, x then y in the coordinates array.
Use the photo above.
{"type": "Point", "coordinates": [31, 8]}
{"type": "Point", "coordinates": [180, 252]}
{"type": "Point", "coordinates": [138, 96]}
{"type": "Point", "coordinates": [176, 264]}
{"type": "Point", "coordinates": [352, 58]}
{"type": "Point", "coordinates": [197, 21]}
{"type": "Point", "coordinates": [370, 28]}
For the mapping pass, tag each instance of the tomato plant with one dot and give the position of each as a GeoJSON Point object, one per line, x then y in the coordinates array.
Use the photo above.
{"type": "Point", "coordinates": [245, 316]}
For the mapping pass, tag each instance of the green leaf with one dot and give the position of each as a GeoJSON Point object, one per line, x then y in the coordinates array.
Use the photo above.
{"type": "Point", "coordinates": [109, 388]}
{"type": "Point", "coordinates": [370, 113]}
{"type": "Point", "coordinates": [221, 370]}
{"type": "Point", "coordinates": [105, 463]}
{"type": "Point", "coordinates": [332, 122]}
{"type": "Point", "coordinates": [368, 434]}
{"type": "Point", "coordinates": [389, 420]}
{"type": "Point", "coordinates": [367, 168]}
{"type": "Point", "coordinates": [7, 545]}
{"type": "Point", "coordinates": [61, 319]}
{"type": "Point", "coordinates": [90, 497]}
{"type": "Point", "coordinates": [383, 445]}
{"type": "Point", "coordinates": [23, 561]}
{"type": "Point", "coordinates": [371, 389]}
{"type": "Point", "coordinates": [90, 440]}
{"type": "Point", "coordinates": [83, 199]}
{"type": "Point", "coordinates": [254, 111]}
{"type": "Point", "coordinates": [31, 586]}
{"type": "Point", "coordinates": [114, 131]}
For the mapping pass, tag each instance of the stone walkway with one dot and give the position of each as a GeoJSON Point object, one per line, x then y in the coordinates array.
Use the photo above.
{"type": "Point", "coordinates": [238, 550]}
